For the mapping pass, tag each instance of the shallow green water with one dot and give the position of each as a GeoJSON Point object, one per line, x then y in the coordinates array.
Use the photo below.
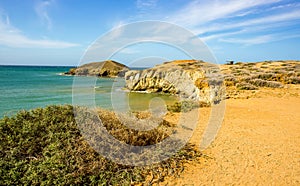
{"type": "Point", "coordinates": [27, 87]}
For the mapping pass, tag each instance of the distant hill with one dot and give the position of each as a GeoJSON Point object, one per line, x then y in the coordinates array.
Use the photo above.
{"type": "Point", "coordinates": [107, 68]}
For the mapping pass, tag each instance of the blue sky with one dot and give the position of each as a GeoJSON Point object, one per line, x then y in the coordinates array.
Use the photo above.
{"type": "Point", "coordinates": [57, 32]}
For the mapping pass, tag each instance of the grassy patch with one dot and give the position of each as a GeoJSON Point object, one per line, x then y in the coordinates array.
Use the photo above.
{"type": "Point", "coordinates": [45, 147]}
{"type": "Point", "coordinates": [185, 106]}
{"type": "Point", "coordinates": [293, 80]}
{"type": "Point", "coordinates": [265, 83]}
{"type": "Point", "coordinates": [245, 86]}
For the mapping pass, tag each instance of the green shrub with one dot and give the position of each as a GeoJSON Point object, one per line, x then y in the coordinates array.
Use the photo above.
{"type": "Point", "coordinates": [266, 76]}
{"type": "Point", "coordinates": [293, 80]}
{"type": "Point", "coordinates": [185, 106]}
{"type": "Point", "coordinates": [264, 83]}
{"type": "Point", "coordinates": [246, 86]}
{"type": "Point", "coordinates": [239, 63]}
{"type": "Point", "coordinates": [45, 147]}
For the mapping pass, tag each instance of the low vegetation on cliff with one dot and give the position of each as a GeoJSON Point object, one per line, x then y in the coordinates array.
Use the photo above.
{"type": "Point", "coordinates": [255, 76]}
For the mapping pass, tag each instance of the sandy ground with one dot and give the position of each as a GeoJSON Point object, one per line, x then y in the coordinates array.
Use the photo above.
{"type": "Point", "coordinates": [258, 144]}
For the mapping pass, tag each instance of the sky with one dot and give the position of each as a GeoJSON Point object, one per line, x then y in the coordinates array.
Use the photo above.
{"type": "Point", "coordinates": [59, 32]}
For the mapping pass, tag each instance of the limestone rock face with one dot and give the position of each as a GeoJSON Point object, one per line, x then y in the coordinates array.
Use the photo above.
{"type": "Point", "coordinates": [103, 69]}
{"type": "Point", "coordinates": [190, 79]}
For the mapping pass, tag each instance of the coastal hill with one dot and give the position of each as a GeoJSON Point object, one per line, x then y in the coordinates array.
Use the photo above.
{"type": "Point", "coordinates": [202, 81]}
{"type": "Point", "coordinates": [107, 68]}
{"type": "Point", "coordinates": [189, 79]}
{"type": "Point", "coordinates": [198, 80]}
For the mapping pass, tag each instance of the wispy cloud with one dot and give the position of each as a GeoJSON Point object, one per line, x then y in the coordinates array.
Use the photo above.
{"type": "Point", "coordinates": [146, 4]}
{"type": "Point", "coordinates": [269, 22]}
{"type": "Point", "coordinates": [13, 37]}
{"type": "Point", "coordinates": [145, 9]}
{"type": "Point", "coordinates": [220, 19]}
{"type": "Point", "coordinates": [289, 5]}
{"type": "Point", "coordinates": [290, 16]}
{"type": "Point", "coordinates": [250, 41]}
{"type": "Point", "coordinates": [260, 39]}
{"type": "Point", "coordinates": [41, 8]}
{"type": "Point", "coordinates": [199, 12]}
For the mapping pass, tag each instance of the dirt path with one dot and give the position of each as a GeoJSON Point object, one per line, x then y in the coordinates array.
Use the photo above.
{"type": "Point", "coordinates": [258, 144]}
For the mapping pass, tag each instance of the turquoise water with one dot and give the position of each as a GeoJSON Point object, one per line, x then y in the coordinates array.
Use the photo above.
{"type": "Point", "coordinates": [28, 87]}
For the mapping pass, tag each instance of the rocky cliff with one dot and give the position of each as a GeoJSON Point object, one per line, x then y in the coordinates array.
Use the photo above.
{"type": "Point", "coordinates": [190, 79]}
{"type": "Point", "coordinates": [103, 69]}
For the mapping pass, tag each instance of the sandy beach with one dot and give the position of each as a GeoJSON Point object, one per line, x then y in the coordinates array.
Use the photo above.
{"type": "Point", "coordinates": [258, 143]}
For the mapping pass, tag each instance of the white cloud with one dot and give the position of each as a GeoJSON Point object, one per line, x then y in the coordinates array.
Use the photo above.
{"type": "Point", "coordinates": [214, 36]}
{"type": "Point", "coordinates": [145, 10]}
{"type": "Point", "coordinates": [271, 21]}
{"type": "Point", "coordinates": [202, 11]}
{"type": "Point", "coordinates": [253, 29]}
{"type": "Point", "coordinates": [41, 8]}
{"type": "Point", "coordinates": [289, 5]}
{"type": "Point", "coordinates": [260, 39]}
{"type": "Point", "coordinates": [146, 4]}
{"type": "Point", "coordinates": [250, 41]}
{"type": "Point", "coordinates": [220, 19]}
{"type": "Point", "coordinates": [12, 37]}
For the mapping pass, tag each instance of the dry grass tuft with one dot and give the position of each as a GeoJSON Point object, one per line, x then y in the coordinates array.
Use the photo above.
{"type": "Point", "coordinates": [117, 126]}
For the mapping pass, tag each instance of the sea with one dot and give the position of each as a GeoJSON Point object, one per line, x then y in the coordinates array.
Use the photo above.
{"type": "Point", "coordinates": [30, 87]}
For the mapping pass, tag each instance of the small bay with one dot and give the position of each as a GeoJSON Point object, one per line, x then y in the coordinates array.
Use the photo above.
{"type": "Point", "coordinates": [29, 87]}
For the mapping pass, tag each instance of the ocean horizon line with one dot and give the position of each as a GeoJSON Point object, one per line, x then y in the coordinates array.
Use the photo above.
{"type": "Point", "coordinates": [61, 66]}
{"type": "Point", "coordinates": [6, 65]}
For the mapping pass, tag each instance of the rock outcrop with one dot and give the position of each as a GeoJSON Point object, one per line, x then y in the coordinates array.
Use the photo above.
{"type": "Point", "coordinates": [190, 79]}
{"type": "Point", "coordinates": [103, 69]}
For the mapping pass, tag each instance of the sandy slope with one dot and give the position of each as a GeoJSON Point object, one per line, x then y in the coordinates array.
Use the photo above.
{"type": "Point", "coordinates": [258, 144]}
